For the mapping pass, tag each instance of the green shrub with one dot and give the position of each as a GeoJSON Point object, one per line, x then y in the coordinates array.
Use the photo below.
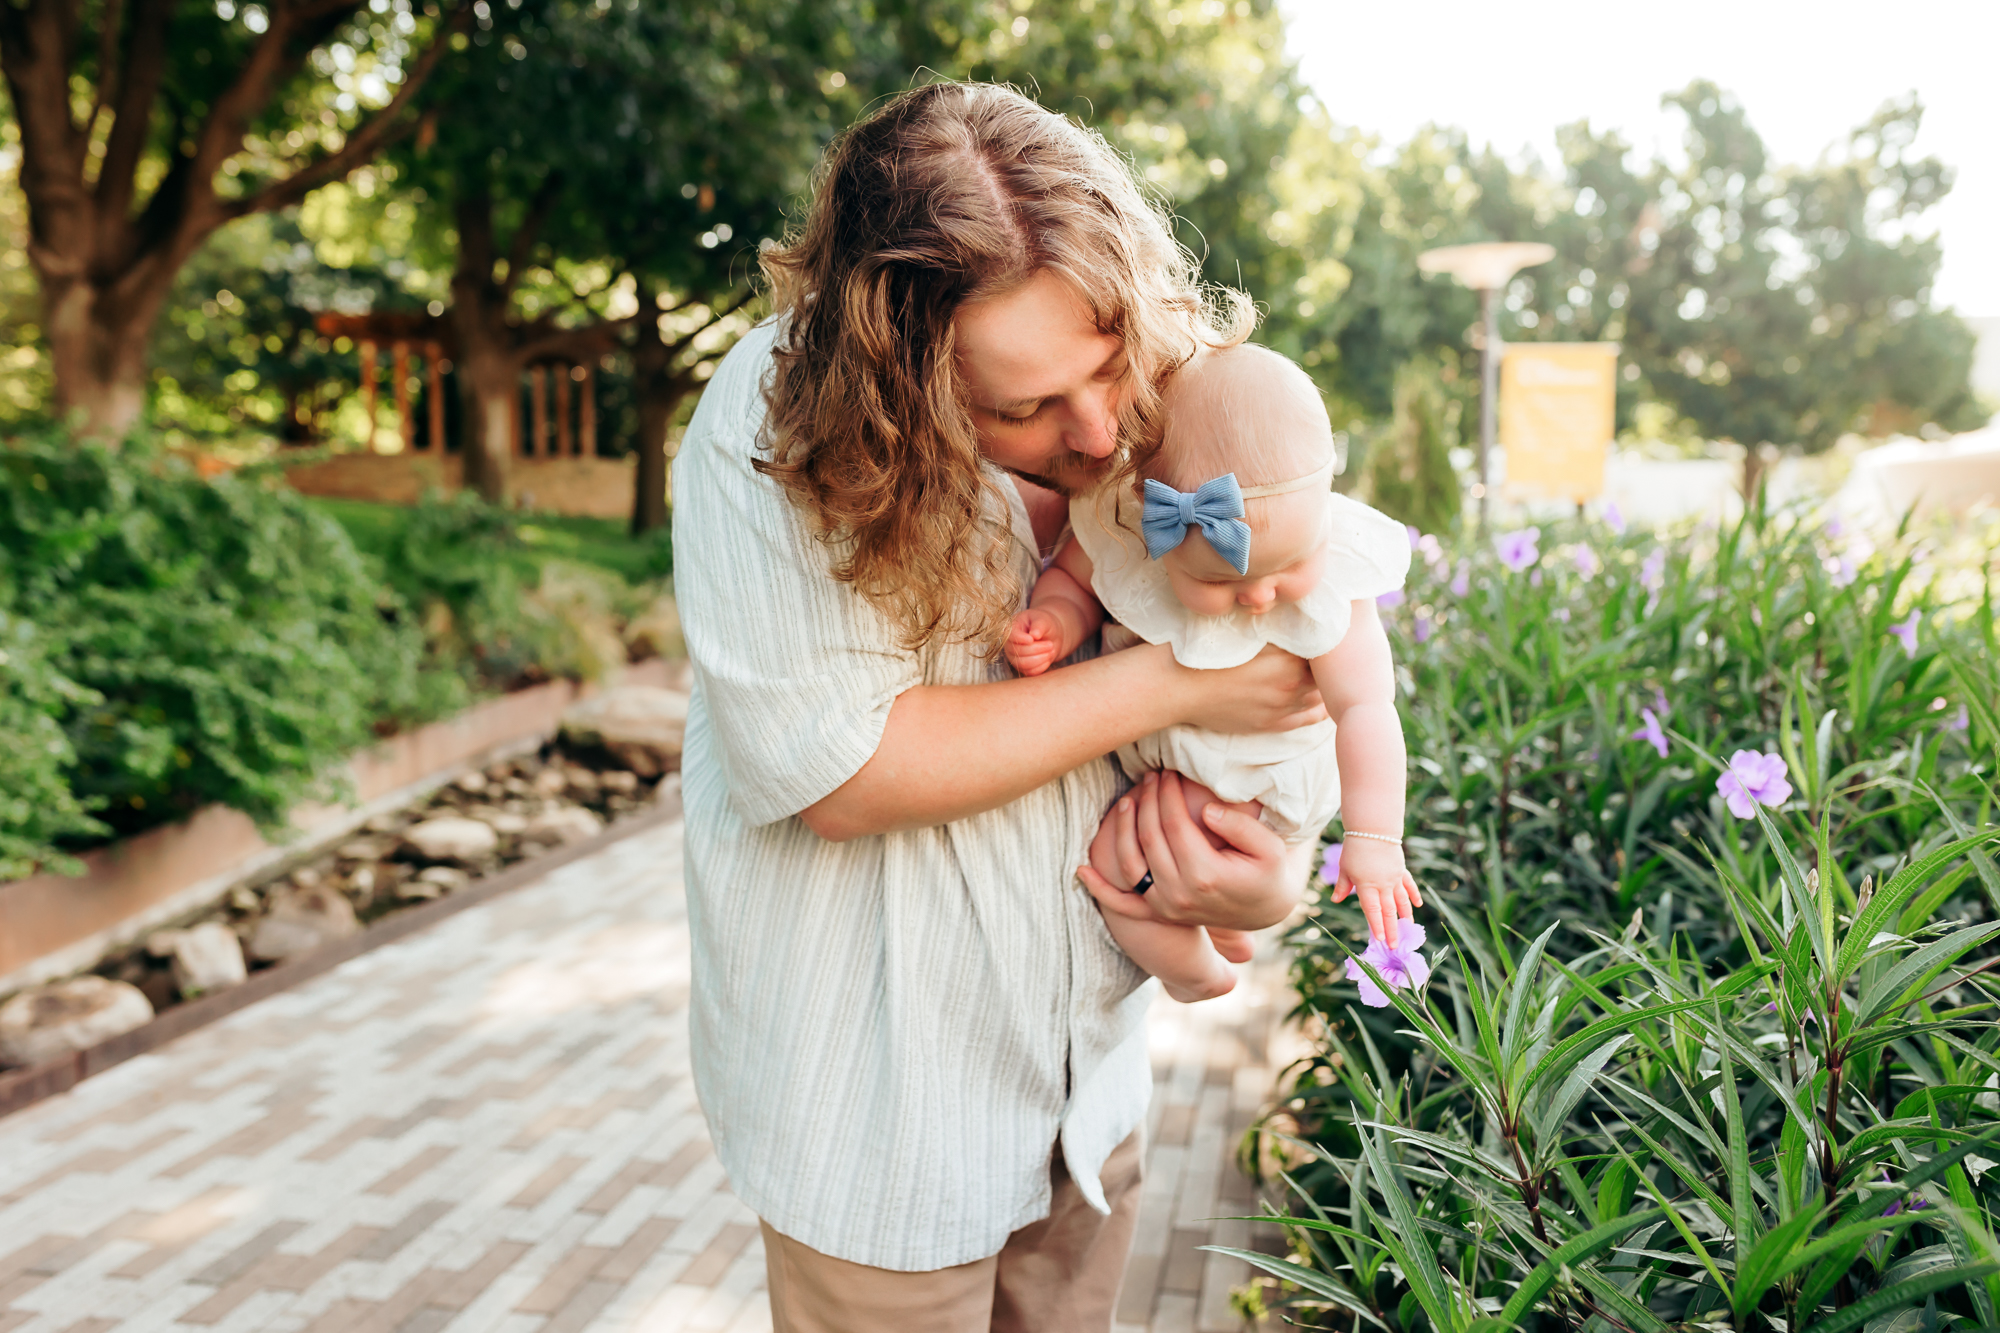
{"type": "Point", "coordinates": [225, 643]}
{"type": "Point", "coordinates": [37, 806]}
{"type": "Point", "coordinates": [1588, 883]}
{"type": "Point", "coordinates": [1638, 1139]}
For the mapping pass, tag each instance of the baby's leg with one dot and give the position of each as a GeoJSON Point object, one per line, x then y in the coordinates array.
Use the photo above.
{"type": "Point", "coordinates": [1182, 957]}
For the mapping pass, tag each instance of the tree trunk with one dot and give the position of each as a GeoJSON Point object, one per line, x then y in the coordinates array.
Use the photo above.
{"type": "Point", "coordinates": [659, 392]}
{"type": "Point", "coordinates": [98, 337]}
{"type": "Point", "coordinates": [489, 386]}
{"type": "Point", "coordinates": [1757, 460]}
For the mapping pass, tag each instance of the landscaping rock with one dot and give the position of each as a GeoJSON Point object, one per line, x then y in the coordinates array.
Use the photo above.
{"type": "Point", "coordinates": [434, 882]}
{"type": "Point", "coordinates": [549, 782]}
{"type": "Point", "coordinates": [206, 957]}
{"type": "Point", "coordinates": [506, 823]}
{"type": "Point", "coordinates": [452, 839]}
{"type": "Point", "coordinates": [640, 726]}
{"type": "Point", "coordinates": [365, 849]}
{"type": "Point", "coordinates": [473, 783]}
{"type": "Point", "coordinates": [301, 921]}
{"type": "Point", "coordinates": [41, 1025]}
{"type": "Point", "coordinates": [564, 824]}
{"type": "Point", "coordinates": [618, 782]}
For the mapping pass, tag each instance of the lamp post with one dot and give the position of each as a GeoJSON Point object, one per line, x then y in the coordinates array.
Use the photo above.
{"type": "Point", "coordinates": [1486, 267]}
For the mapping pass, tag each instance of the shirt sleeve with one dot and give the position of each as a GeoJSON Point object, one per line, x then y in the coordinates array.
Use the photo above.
{"type": "Point", "coordinates": [1368, 553]}
{"type": "Point", "coordinates": [796, 670]}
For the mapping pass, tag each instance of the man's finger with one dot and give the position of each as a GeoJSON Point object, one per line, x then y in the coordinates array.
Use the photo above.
{"type": "Point", "coordinates": [1125, 838]}
{"type": "Point", "coordinates": [1246, 833]}
{"type": "Point", "coordinates": [1159, 856]}
{"type": "Point", "coordinates": [1186, 843]}
{"type": "Point", "coordinates": [1112, 899]}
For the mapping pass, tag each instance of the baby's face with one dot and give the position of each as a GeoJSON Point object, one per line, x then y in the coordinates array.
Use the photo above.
{"type": "Point", "coordinates": [1287, 556]}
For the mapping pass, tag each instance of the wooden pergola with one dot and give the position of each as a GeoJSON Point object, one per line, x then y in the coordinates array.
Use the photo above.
{"type": "Point", "coordinates": [409, 334]}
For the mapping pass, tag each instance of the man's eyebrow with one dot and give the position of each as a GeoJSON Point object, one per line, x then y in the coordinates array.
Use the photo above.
{"type": "Point", "coordinates": [1037, 399]}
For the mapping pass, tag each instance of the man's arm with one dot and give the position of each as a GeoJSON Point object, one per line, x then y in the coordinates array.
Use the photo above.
{"type": "Point", "coordinates": [949, 751]}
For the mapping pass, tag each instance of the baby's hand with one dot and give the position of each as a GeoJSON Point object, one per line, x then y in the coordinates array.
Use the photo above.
{"type": "Point", "coordinates": [1034, 642]}
{"type": "Point", "coordinates": [1374, 871]}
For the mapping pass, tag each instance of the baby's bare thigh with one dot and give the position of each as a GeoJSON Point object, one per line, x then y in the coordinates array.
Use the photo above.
{"type": "Point", "coordinates": [1198, 798]}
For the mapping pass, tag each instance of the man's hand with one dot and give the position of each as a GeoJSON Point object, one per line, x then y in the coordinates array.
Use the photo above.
{"type": "Point", "coordinates": [1034, 642]}
{"type": "Point", "coordinates": [1374, 872]}
{"type": "Point", "coordinates": [1248, 883]}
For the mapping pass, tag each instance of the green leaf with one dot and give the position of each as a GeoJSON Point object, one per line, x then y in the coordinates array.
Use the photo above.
{"type": "Point", "coordinates": [1574, 1250]}
{"type": "Point", "coordinates": [1890, 1298]}
{"type": "Point", "coordinates": [1889, 899]}
{"type": "Point", "coordinates": [1756, 1273]}
{"type": "Point", "coordinates": [1314, 1281]}
{"type": "Point", "coordinates": [1918, 967]}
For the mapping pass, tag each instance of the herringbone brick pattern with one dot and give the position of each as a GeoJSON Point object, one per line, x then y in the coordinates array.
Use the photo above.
{"type": "Point", "coordinates": [491, 1126]}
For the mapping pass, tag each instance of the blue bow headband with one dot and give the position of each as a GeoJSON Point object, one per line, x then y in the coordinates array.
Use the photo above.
{"type": "Point", "coordinates": [1216, 507]}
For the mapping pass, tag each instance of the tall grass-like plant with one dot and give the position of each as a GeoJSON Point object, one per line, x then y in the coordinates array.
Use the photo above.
{"type": "Point", "coordinates": [1638, 1138]}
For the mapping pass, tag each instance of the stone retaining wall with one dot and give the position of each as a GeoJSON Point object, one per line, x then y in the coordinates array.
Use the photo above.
{"type": "Point", "coordinates": [585, 487]}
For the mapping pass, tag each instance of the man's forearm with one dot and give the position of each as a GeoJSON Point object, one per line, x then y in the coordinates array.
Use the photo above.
{"type": "Point", "coordinates": [950, 751]}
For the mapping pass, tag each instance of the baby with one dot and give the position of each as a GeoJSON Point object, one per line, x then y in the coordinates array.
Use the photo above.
{"type": "Point", "coordinates": [1239, 541]}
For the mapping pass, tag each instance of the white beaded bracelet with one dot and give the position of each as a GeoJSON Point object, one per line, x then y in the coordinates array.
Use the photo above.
{"type": "Point", "coordinates": [1378, 837]}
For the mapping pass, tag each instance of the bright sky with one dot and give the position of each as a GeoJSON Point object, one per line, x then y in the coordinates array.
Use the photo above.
{"type": "Point", "coordinates": [1805, 73]}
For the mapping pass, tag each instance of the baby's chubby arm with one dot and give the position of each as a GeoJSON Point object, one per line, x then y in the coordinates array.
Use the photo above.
{"type": "Point", "coordinates": [1062, 612]}
{"type": "Point", "coordinates": [1358, 681]}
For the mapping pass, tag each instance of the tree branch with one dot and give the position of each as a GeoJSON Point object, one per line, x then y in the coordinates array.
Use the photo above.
{"type": "Point", "coordinates": [742, 298]}
{"type": "Point", "coordinates": [107, 62]}
{"type": "Point", "coordinates": [576, 344]}
{"type": "Point", "coordinates": [376, 133]}
{"type": "Point", "coordinates": [530, 231]}
{"type": "Point", "coordinates": [117, 178]}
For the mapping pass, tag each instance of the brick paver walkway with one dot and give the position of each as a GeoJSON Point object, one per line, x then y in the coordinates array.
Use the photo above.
{"type": "Point", "coordinates": [490, 1126]}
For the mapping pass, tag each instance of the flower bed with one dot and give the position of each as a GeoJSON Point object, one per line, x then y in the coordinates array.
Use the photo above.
{"type": "Point", "coordinates": [1706, 819]}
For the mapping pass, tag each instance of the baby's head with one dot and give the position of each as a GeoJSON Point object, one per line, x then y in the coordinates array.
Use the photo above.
{"type": "Point", "coordinates": [1250, 411]}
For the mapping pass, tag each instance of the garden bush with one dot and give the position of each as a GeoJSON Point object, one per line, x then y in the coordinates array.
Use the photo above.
{"type": "Point", "coordinates": [167, 640]}
{"type": "Point", "coordinates": [1574, 698]}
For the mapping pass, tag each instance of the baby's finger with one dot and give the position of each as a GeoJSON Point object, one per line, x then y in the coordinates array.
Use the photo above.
{"type": "Point", "coordinates": [1371, 908]}
{"type": "Point", "coordinates": [1410, 883]}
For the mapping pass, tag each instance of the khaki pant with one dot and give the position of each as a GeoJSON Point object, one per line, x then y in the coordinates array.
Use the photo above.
{"type": "Point", "coordinates": [1058, 1275]}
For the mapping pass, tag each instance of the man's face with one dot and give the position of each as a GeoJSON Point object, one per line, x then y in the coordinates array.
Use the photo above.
{"type": "Point", "coordinates": [1045, 384]}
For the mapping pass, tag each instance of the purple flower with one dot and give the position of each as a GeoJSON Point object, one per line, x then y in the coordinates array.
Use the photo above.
{"type": "Point", "coordinates": [1587, 563]}
{"type": "Point", "coordinates": [1907, 632]}
{"type": "Point", "coordinates": [1897, 1206]}
{"type": "Point", "coordinates": [1519, 549]}
{"type": "Point", "coordinates": [1391, 598]}
{"type": "Point", "coordinates": [1561, 613]}
{"type": "Point", "coordinates": [1329, 866]}
{"type": "Point", "coordinates": [1840, 570]}
{"type": "Point", "coordinates": [1753, 779]}
{"type": "Point", "coordinates": [1653, 570]}
{"type": "Point", "coordinates": [1651, 732]}
{"type": "Point", "coordinates": [1660, 702]}
{"type": "Point", "coordinates": [1834, 529]}
{"type": "Point", "coordinates": [1425, 627]}
{"type": "Point", "coordinates": [1461, 583]}
{"type": "Point", "coordinates": [1614, 520]}
{"type": "Point", "coordinates": [1963, 722]}
{"type": "Point", "coordinates": [1416, 537]}
{"type": "Point", "coordinates": [1402, 967]}
{"type": "Point", "coordinates": [1535, 578]}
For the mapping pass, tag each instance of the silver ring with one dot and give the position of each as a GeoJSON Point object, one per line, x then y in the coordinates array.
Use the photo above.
{"type": "Point", "coordinates": [1145, 882]}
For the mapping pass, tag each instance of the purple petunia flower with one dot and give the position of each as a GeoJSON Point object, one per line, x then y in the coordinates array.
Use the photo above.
{"type": "Point", "coordinates": [1653, 570]}
{"type": "Point", "coordinates": [1329, 866]}
{"type": "Point", "coordinates": [1389, 599]}
{"type": "Point", "coordinates": [1651, 732]}
{"type": "Point", "coordinates": [1587, 563]}
{"type": "Point", "coordinates": [1461, 583]}
{"type": "Point", "coordinates": [1425, 627]}
{"type": "Point", "coordinates": [1907, 632]}
{"type": "Point", "coordinates": [1416, 537]}
{"type": "Point", "coordinates": [1519, 549]}
{"type": "Point", "coordinates": [1753, 779]}
{"type": "Point", "coordinates": [1897, 1205]}
{"type": "Point", "coordinates": [1840, 570]}
{"type": "Point", "coordinates": [1963, 722]}
{"type": "Point", "coordinates": [1833, 529]}
{"type": "Point", "coordinates": [1402, 967]}
{"type": "Point", "coordinates": [1614, 520]}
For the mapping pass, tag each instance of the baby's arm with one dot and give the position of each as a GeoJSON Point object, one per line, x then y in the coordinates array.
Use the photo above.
{"type": "Point", "coordinates": [1062, 612]}
{"type": "Point", "coordinates": [1358, 681]}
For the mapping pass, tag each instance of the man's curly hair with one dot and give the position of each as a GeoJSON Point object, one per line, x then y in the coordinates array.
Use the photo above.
{"type": "Point", "coordinates": [951, 193]}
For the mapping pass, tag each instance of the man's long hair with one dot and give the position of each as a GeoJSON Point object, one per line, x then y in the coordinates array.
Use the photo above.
{"type": "Point", "coordinates": [953, 193]}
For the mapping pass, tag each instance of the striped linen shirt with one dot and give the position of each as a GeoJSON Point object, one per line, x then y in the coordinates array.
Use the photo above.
{"type": "Point", "coordinates": [888, 1033]}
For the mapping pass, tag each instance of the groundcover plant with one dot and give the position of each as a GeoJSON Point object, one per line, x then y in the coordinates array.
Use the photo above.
{"type": "Point", "coordinates": [1710, 1038]}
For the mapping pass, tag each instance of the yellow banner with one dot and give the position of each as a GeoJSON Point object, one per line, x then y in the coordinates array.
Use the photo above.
{"type": "Point", "coordinates": [1557, 406]}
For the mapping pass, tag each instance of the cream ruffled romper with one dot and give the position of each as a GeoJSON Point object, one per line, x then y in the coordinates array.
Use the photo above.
{"type": "Point", "coordinates": [1294, 774]}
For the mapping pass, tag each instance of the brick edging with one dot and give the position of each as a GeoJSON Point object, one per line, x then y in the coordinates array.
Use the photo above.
{"type": "Point", "coordinates": [21, 1088]}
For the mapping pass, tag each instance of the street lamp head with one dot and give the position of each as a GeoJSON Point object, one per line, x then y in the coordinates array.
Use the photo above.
{"type": "Point", "coordinates": [1485, 265]}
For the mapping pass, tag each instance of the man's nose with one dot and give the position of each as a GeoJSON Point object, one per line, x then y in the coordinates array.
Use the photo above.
{"type": "Point", "coordinates": [1095, 433]}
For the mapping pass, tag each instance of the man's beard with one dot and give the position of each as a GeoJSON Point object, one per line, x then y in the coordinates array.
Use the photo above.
{"type": "Point", "coordinates": [1075, 474]}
